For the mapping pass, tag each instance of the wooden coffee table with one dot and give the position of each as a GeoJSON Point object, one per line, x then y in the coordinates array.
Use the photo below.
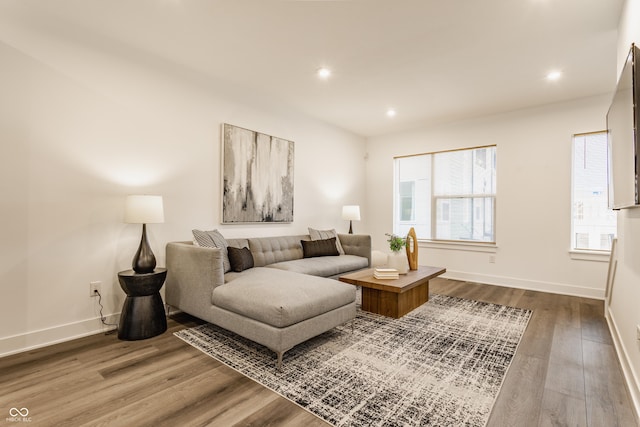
{"type": "Point", "coordinates": [395, 297]}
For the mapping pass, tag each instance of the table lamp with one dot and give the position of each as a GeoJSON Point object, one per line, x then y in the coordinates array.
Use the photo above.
{"type": "Point", "coordinates": [144, 210]}
{"type": "Point", "coordinates": [351, 213]}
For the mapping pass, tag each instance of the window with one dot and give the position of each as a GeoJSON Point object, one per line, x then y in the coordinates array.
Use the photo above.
{"type": "Point", "coordinates": [413, 181]}
{"type": "Point", "coordinates": [407, 190]}
{"type": "Point", "coordinates": [453, 195]}
{"type": "Point", "coordinates": [593, 225]}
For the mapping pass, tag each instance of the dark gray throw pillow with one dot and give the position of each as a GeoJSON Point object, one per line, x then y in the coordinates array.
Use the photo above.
{"type": "Point", "coordinates": [240, 258]}
{"type": "Point", "coordinates": [314, 248]}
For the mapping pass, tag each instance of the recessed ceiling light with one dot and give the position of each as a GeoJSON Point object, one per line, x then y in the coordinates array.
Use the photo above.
{"type": "Point", "coordinates": [391, 112]}
{"type": "Point", "coordinates": [554, 75]}
{"type": "Point", "coordinates": [324, 73]}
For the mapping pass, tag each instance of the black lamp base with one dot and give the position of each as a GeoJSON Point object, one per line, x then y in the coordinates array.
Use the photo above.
{"type": "Point", "coordinates": [144, 261]}
{"type": "Point", "coordinates": [350, 227]}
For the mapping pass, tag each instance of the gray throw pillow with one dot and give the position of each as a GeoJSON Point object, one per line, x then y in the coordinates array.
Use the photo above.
{"type": "Point", "coordinates": [213, 239]}
{"type": "Point", "coordinates": [326, 234]}
{"type": "Point", "coordinates": [315, 248]}
{"type": "Point", "coordinates": [240, 258]}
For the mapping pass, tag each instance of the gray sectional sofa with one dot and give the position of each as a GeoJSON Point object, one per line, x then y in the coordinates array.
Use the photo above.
{"type": "Point", "coordinates": [284, 300]}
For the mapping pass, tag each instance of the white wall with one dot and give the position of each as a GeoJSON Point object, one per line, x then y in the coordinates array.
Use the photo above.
{"type": "Point", "coordinates": [533, 219]}
{"type": "Point", "coordinates": [81, 127]}
{"type": "Point", "coordinates": [624, 311]}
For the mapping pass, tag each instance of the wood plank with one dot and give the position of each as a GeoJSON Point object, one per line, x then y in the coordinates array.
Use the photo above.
{"type": "Point", "coordinates": [606, 394]}
{"type": "Point", "coordinates": [561, 410]}
{"type": "Point", "coordinates": [538, 338]}
{"type": "Point", "coordinates": [568, 312]}
{"type": "Point", "coordinates": [520, 398]}
{"type": "Point", "coordinates": [250, 401]}
{"type": "Point", "coordinates": [281, 413]}
{"type": "Point", "coordinates": [141, 381]}
{"type": "Point", "coordinates": [594, 325]}
{"type": "Point", "coordinates": [565, 373]}
{"type": "Point", "coordinates": [440, 285]}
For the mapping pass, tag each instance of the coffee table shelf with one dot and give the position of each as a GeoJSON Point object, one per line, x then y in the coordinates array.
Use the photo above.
{"type": "Point", "coordinates": [396, 297]}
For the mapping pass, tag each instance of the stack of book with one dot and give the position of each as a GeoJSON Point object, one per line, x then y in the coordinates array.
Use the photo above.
{"type": "Point", "coordinates": [386, 273]}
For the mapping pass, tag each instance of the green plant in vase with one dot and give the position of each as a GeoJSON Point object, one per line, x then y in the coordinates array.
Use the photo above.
{"type": "Point", "coordinates": [397, 260]}
{"type": "Point", "coordinates": [396, 243]}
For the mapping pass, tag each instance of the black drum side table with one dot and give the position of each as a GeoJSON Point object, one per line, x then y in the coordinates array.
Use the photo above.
{"type": "Point", "coordinates": [143, 313]}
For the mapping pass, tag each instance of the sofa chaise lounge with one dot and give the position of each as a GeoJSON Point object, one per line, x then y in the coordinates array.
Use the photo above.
{"type": "Point", "coordinates": [284, 300]}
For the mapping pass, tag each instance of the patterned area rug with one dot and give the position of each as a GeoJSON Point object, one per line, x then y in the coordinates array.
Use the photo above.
{"type": "Point", "coordinates": [441, 365]}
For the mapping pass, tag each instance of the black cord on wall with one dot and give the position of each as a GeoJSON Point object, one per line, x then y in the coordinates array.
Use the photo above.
{"type": "Point", "coordinates": [103, 318]}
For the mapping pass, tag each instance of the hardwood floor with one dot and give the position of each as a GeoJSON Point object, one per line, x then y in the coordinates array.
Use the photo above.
{"type": "Point", "coordinates": [565, 373]}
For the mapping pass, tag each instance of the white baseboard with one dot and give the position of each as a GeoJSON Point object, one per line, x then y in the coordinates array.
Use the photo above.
{"type": "Point", "coordinates": [532, 285]}
{"type": "Point", "coordinates": [45, 337]}
{"type": "Point", "coordinates": [630, 376]}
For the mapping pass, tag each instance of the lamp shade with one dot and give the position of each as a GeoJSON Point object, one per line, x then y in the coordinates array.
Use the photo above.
{"type": "Point", "coordinates": [351, 212]}
{"type": "Point", "coordinates": [144, 210]}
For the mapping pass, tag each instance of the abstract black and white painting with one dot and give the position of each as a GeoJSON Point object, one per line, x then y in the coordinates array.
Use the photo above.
{"type": "Point", "coordinates": [257, 175]}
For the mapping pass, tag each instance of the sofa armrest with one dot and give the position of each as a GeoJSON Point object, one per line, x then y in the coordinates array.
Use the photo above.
{"type": "Point", "coordinates": [356, 244]}
{"type": "Point", "coordinates": [193, 272]}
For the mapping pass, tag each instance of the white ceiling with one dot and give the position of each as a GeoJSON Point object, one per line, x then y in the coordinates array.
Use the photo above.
{"type": "Point", "coordinates": [431, 60]}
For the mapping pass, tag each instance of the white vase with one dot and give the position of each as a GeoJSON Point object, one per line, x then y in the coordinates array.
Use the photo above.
{"type": "Point", "coordinates": [399, 261]}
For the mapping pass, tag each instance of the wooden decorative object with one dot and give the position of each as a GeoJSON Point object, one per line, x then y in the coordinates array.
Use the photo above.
{"type": "Point", "coordinates": [412, 249]}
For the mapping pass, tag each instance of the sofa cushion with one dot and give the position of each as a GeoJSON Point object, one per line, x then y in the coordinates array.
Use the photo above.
{"type": "Point", "coordinates": [240, 258]}
{"type": "Point", "coordinates": [314, 248]}
{"type": "Point", "coordinates": [326, 234]}
{"type": "Point", "coordinates": [213, 239]}
{"type": "Point", "coordinates": [281, 298]}
{"type": "Point", "coordinates": [238, 243]}
{"type": "Point", "coordinates": [267, 250]}
{"type": "Point", "coordinates": [324, 266]}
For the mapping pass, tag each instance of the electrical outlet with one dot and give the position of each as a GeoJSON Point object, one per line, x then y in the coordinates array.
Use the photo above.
{"type": "Point", "coordinates": [492, 259]}
{"type": "Point", "coordinates": [95, 288]}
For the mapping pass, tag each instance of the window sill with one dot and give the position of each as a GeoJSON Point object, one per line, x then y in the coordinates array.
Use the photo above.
{"type": "Point", "coordinates": [599, 256]}
{"type": "Point", "coordinates": [459, 246]}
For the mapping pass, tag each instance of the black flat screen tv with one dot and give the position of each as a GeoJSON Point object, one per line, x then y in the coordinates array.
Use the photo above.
{"type": "Point", "coordinates": [623, 139]}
